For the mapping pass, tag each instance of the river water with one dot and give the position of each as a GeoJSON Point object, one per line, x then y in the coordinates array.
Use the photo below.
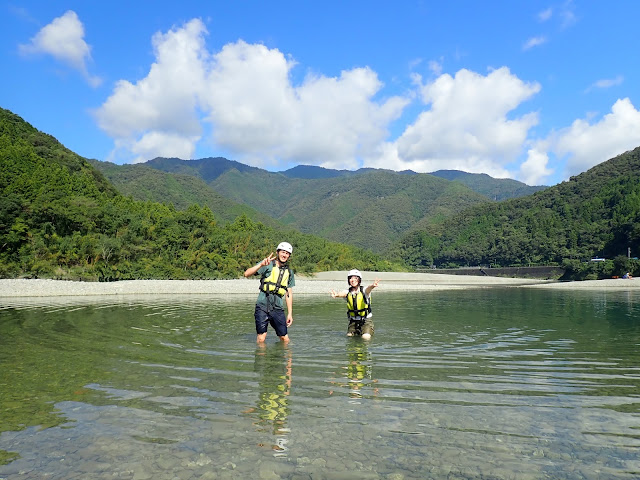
{"type": "Point", "coordinates": [498, 383]}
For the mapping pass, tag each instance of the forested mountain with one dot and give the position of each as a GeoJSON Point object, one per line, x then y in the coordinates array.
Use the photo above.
{"type": "Point", "coordinates": [493, 188]}
{"type": "Point", "coordinates": [61, 218]}
{"type": "Point", "coordinates": [149, 184]}
{"type": "Point", "coordinates": [207, 169]}
{"type": "Point", "coordinates": [312, 171]}
{"type": "Point", "coordinates": [369, 208]}
{"type": "Point", "coordinates": [596, 213]}
{"type": "Point", "coordinates": [373, 209]}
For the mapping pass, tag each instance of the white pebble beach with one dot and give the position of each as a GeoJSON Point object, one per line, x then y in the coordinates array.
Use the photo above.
{"type": "Point", "coordinates": [318, 284]}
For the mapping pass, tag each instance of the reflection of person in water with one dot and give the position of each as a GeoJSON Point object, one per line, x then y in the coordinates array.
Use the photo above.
{"type": "Point", "coordinates": [273, 363]}
{"type": "Point", "coordinates": [358, 369]}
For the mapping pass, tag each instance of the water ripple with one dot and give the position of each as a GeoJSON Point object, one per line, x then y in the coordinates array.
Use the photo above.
{"type": "Point", "coordinates": [453, 385]}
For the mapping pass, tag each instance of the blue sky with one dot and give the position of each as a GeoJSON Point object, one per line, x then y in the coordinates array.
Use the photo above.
{"type": "Point", "coordinates": [532, 90]}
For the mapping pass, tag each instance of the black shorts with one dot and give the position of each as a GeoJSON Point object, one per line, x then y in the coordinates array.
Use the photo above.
{"type": "Point", "coordinates": [275, 318]}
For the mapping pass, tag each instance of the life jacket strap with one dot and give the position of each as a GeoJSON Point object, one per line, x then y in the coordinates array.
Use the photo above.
{"type": "Point", "coordinates": [264, 286]}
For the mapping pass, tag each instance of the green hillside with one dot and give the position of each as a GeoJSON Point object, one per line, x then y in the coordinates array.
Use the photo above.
{"type": "Point", "coordinates": [312, 171]}
{"type": "Point", "coordinates": [596, 213]}
{"type": "Point", "coordinates": [373, 209]}
{"type": "Point", "coordinates": [149, 184]}
{"type": "Point", "coordinates": [61, 218]}
{"type": "Point", "coordinates": [370, 208]}
{"type": "Point", "coordinates": [207, 169]}
{"type": "Point", "coordinates": [493, 188]}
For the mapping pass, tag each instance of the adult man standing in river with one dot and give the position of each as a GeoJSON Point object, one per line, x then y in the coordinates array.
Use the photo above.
{"type": "Point", "coordinates": [276, 283]}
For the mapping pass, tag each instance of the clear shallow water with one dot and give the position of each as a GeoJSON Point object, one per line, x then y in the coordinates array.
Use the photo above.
{"type": "Point", "coordinates": [487, 384]}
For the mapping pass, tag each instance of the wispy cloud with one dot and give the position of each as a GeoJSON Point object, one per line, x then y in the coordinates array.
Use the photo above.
{"type": "Point", "coordinates": [564, 16]}
{"type": "Point", "coordinates": [22, 14]}
{"type": "Point", "coordinates": [605, 83]}
{"type": "Point", "coordinates": [435, 67]}
{"type": "Point", "coordinates": [545, 15]}
{"type": "Point", "coordinates": [567, 14]}
{"type": "Point", "coordinates": [534, 42]}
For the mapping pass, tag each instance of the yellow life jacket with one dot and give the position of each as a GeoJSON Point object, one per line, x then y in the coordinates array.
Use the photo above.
{"type": "Point", "coordinates": [276, 282]}
{"type": "Point", "coordinates": [358, 304]}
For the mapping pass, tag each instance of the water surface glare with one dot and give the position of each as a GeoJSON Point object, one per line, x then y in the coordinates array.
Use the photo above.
{"type": "Point", "coordinates": [499, 383]}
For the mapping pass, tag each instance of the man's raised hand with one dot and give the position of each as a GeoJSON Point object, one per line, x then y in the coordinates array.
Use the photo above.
{"type": "Point", "coordinates": [266, 261]}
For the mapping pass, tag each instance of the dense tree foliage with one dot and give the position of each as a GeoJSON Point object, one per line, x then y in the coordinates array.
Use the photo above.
{"type": "Point", "coordinates": [142, 182]}
{"type": "Point", "coordinates": [593, 214]}
{"type": "Point", "coordinates": [369, 208]}
{"type": "Point", "coordinates": [60, 218]}
{"type": "Point", "coordinates": [493, 188]}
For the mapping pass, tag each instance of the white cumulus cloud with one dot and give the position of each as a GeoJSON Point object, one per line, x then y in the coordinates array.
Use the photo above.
{"type": "Point", "coordinates": [63, 39]}
{"type": "Point", "coordinates": [534, 169]}
{"type": "Point", "coordinates": [587, 144]}
{"type": "Point", "coordinates": [256, 110]}
{"type": "Point", "coordinates": [242, 100]}
{"type": "Point", "coordinates": [245, 94]}
{"type": "Point", "coordinates": [157, 116]}
{"type": "Point", "coordinates": [468, 125]}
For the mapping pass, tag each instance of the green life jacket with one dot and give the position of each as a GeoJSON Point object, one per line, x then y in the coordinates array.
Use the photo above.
{"type": "Point", "coordinates": [277, 280]}
{"type": "Point", "coordinates": [358, 304]}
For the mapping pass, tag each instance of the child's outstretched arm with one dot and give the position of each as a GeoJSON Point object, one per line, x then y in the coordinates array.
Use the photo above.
{"type": "Point", "coordinates": [372, 286]}
{"type": "Point", "coordinates": [335, 294]}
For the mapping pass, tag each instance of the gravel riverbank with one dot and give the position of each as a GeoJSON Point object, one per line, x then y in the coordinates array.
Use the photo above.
{"type": "Point", "coordinates": [319, 284]}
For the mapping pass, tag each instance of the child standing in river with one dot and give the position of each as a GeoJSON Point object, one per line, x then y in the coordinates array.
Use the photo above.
{"type": "Point", "coordinates": [358, 305]}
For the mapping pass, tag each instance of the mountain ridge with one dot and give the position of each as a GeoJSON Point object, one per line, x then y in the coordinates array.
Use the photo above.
{"type": "Point", "coordinates": [322, 201]}
{"type": "Point", "coordinates": [327, 204]}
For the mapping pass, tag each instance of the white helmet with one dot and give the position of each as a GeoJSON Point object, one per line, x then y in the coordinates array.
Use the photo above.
{"type": "Point", "coordinates": [354, 273]}
{"type": "Point", "coordinates": [285, 246]}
